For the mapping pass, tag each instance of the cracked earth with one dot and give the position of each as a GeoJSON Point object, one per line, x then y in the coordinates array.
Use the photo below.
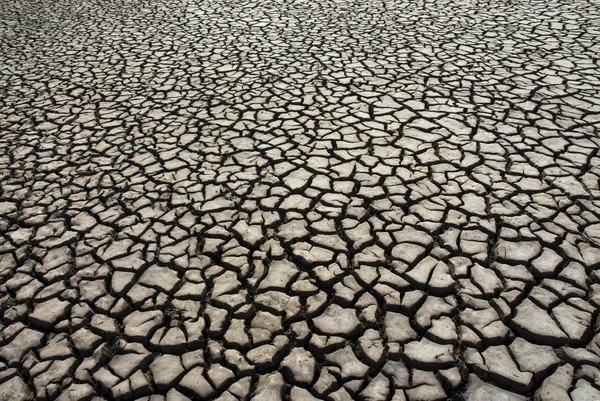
{"type": "Point", "coordinates": [299, 200]}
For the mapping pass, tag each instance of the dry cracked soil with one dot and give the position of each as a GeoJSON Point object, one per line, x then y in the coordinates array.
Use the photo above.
{"type": "Point", "coordinates": [300, 200]}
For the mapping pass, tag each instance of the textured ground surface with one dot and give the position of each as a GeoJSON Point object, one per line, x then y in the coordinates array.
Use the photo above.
{"type": "Point", "coordinates": [309, 200]}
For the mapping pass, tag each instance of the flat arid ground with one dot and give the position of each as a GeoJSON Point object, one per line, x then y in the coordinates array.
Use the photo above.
{"type": "Point", "coordinates": [300, 200]}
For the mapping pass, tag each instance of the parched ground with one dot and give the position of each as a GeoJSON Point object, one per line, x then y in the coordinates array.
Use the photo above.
{"type": "Point", "coordinates": [300, 200]}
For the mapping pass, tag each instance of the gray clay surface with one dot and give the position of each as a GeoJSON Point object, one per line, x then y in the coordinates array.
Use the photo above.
{"type": "Point", "coordinates": [299, 200]}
